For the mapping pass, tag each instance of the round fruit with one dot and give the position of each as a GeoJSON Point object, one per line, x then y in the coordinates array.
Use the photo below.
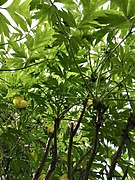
{"type": "Point", "coordinates": [90, 102]}
{"type": "Point", "coordinates": [50, 129]}
{"type": "Point", "coordinates": [33, 154]}
{"type": "Point", "coordinates": [23, 104]}
{"type": "Point", "coordinates": [42, 177]}
{"type": "Point", "coordinates": [64, 177]}
{"type": "Point", "coordinates": [19, 102]}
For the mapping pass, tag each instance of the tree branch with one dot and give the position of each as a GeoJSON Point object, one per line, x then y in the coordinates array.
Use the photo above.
{"type": "Point", "coordinates": [101, 109]}
{"type": "Point", "coordinates": [72, 134]}
{"type": "Point", "coordinates": [81, 159]}
{"type": "Point", "coordinates": [130, 125]}
{"type": "Point", "coordinates": [43, 161]}
{"type": "Point", "coordinates": [54, 154]}
{"type": "Point", "coordinates": [78, 68]}
{"type": "Point", "coordinates": [69, 163]}
{"type": "Point", "coordinates": [114, 49]}
{"type": "Point", "coordinates": [105, 95]}
{"type": "Point", "coordinates": [93, 153]}
{"type": "Point", "coordinates": [81, 116]}
{"type": "Point", "coordinates": [70, 51]}
{"type": "Point", "coordinates": [125, 173]}
{"type": "Point", "coordinates": [18, 69]}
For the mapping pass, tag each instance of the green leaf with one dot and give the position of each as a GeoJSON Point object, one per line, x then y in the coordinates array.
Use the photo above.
{"type": "Point", "coordinates": [19, 20]}
{"type": "Point", "coordinates": [111, 18]}
{"type": "Point", "coordinates": [20, 50]}
{"type": "Point", "coordinates": [123, 4]}
{"type": "Point", "coordinates": [20, 13]}
{"type": "Point", "coordinates": [2, 2]}
{"type": "Point", "coordinates": [34, 4]}
{"type": "Point", "coordinates": [3, 27]}
{"type": "Point", "coordinates": [68, 18]}
{"type": "Point", "coordinates": [131, 8]}
{"type": "Point", "coordinates": [89, 6]}
{"type": "Point", "coordinates": [21, 9]}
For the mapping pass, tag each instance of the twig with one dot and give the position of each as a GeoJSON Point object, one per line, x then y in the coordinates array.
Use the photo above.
{"type": "Point", "coordinates": [125, 173]}
{"type": "Point", "coordinates": [18, 69]}
{"type": "Point", "coordinates": [109, 99]}
{"type": "Point", "coordinates": [105, 95]}
{"type": "Point", "coordinates": [103, 62]}
{"type": "Point", "coordinates": [89, 59]}
{"type": "Point", "coordinates": [5, 81]}
{"type": "Point", "coordinates": [111, 52]}
{"type": "Point", "coordinates": [3, 44]}
{"type": "Point", "coordinates": [81, 159]}
{"type": "Point", "coordinates": [131, 103]}
{"type": "Point", "coordinates": [98, 172]}
{"type": "Point", "coordinates": [78, 68]}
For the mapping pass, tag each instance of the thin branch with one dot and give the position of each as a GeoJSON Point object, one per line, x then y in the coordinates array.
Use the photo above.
{"type": "Point", "coordinates": [81, 159]}
{"type": "Point", "coordinates": [72, 134]}
{"type": "Point", "coordinates": [93, 153]}
{"type": "Point", "coordinates": [54, 154]}
{"type": "Point", "coordinates": [111, 52]}
{"type": "Point", "coordinates": [125, 173]}
{"type": "Point", "coordinates": [103, 62]}
{"type": "Point", "coordinates": [98, 121]}
{"type": "Point", "coordinates": [81, 116]}
{"type": "Point", "coordinates": [18, 69]}
{"type": "Point", "coordinates": [81, 74]}
{"type": "Point", "coordinates": [116, 99]}
{"type": "Point", "coordinates": [90, 64]}
{"type": "Point", "coordinates": [99, 172]}
{"type": "Point", "coordinates": [130, 125]}
{"type": "Point", "coordinates": [5, 81]}
{"type": "Point", "coordinates": [110, 99]}
{"type": "Point", "coordinates": [3, 44]}
{"type": "Point", "coordinates": [43, 161]}
{"type": "Point", "coordinates": [105, 95]}
{"type": "Point", "coordinates": [69, 163]}
{"type": "Point", "coordinates": [131, 104]}
{"type": "Point", "coordinates": [71, 51]}
{"type": "Point", "coordinates": [61, 116]}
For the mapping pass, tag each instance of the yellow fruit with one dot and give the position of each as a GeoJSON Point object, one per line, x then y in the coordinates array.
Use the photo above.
{"type": "Point", "coordinates": [33, 154]}
{"type": "Point", "coordinates": [42, 177]}
{"type": "Point", "coordinates": [64, 177]}
{"type": "Point", "coordinates": [19, 102]}
{"type": "Point", "coordinates": [50, 129]}
{"type": "Point", "coordinates": [90, 102]}
{"type": "Point", "coordinates": [64, 158]}
{"type": "Point", "coordinates": [23, 104]}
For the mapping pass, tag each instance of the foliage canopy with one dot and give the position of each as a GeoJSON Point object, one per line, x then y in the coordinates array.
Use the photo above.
{"type": "Point", "coordinates": [72, 62]}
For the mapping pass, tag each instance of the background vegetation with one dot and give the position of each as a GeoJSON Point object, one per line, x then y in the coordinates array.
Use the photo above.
{"type": "Point", "coordinates": [73, 62]}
